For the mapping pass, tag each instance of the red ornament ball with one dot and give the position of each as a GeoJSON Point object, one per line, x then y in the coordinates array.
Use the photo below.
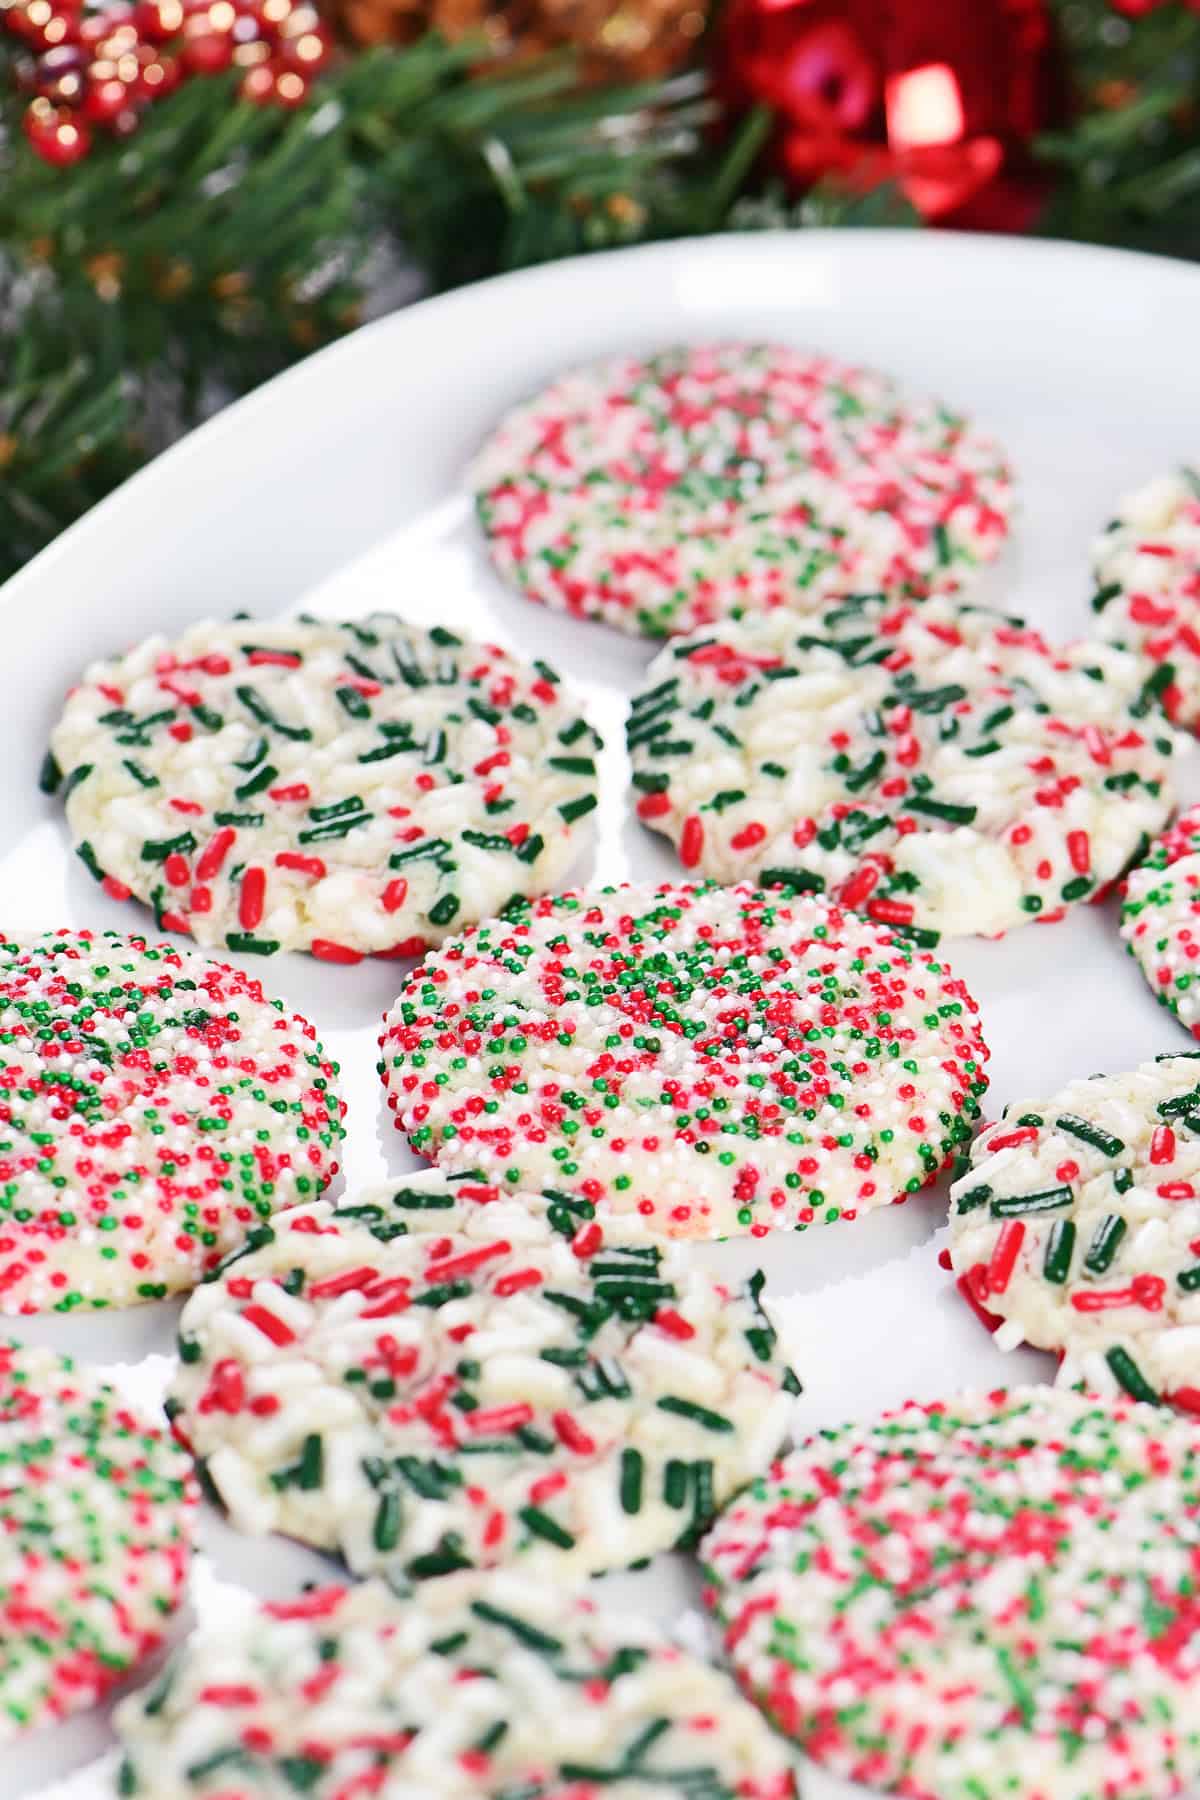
{"type": "Point", "coordinates": [940, 97]}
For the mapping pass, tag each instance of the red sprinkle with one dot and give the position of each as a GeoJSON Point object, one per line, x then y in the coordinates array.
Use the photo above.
{"type": "Point", "coordinates": [1004, 1255]}
{"type": "Point", "coordinates": [252, 897]}
{"type": "Point", "coordinates": [691, 843]}
{"type": "Point", "coordinates": [269, 1324]}
{"type": "Point", "coordinates": [218, 848]}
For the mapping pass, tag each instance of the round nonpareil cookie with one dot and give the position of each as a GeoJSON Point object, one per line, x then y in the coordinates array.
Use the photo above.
{"type": "Point", "coordinates": [1160, 917]}
{"type": "Point", "coordinates": [480, 1688]}
{"type": "Point", "coordinates": [713, 1060]}
{"type": "Point", "coordinates": [663, 492]}
{"type": "Point", "coordinates": [338, 788]}
{"type": "Point", "coordinates": [433, 1376]}
{"type": "Point", "coordinates": [938, 768]}
{"type": "Point", "coordinates": [1147, 572]}
{"type": "Point", "coordinates": [989, 1597]}
{"type": "Point", "coordinates": [95, 1536]}
{"type": "Point", "coordinates": [1077, 1229]}
{"type": "Point", "coordinates": [153, 1107]}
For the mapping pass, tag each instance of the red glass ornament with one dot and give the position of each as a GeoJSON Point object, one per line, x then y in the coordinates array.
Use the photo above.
{"type": "Point", "coordinates": [939, 97]}
{"type": "Point", "coordinates": [56, 134]}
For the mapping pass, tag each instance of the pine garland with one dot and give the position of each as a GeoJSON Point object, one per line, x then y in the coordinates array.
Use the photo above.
{"type": "Point", "coordinates": [223, 240]}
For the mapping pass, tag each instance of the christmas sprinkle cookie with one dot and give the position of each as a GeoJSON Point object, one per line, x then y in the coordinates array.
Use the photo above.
{"type": "Point", "coordinates": [1077, 1229]}
{"type": "Point", "coordinates": [662, 493]}
{"type": "Point", "coordinates": [154, 1107]}
{"type": "Point", "coordinates": [432, 1377]}
{"type": "Point", "coordinates": [95, 1536]}
{"type": "Point", "coordinates": [938, 768]}
{"type": "Point", "coordinates": [1147, 572]}
{"type": "Point", "coordinates": [990, 1597]}
{"type": "Point", "coordinates": [1160, 917]}
{"type": "Point", "coordinates": [481, 1688]}
{"type": "Point", "coordinates": [714, 1060]}
{"type": "Point", "coordinates": [337, 788]}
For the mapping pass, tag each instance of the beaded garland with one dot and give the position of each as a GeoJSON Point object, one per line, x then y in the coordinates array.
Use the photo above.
{"type": "Point", "coordinates": [95, 1537]}
{"type": "Point", "coordinates": [1160, 917]}
{"type": "Point", "coordinates": [430, 1377]}
{"type": "Point", "coordinates": [659, 494]}
{"type": "Point", "coordinates": [1147, 572]}
{"type": "Point", "coordinates": [491, 1689]}
{"type": "Point", "coordinates": [345, 789]}
{"type": "Point", "coordinates": [154, 1106]}
{"type": "Point", "coordinates": [939, 768]}
{"type": "Point", "coordinates": [982, 1598]}
{"type": "Point", "coordinates": [716, 1060]}
{"type": "Point", "coordinates": [1077, 1229]}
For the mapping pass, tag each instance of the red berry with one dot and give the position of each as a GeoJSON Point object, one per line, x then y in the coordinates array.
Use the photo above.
{"type": "Point", "coordinates": [207, 52]}
{"type": "Point", "coordinates": [104, 99]}
{"type": "Point", "coordinates": [158, 20]}
{"type": "Point", "coordinates": [58, 75]}
{"type": "Point", "coordinates": [159, 76]}
{"type": "Point", "coordinates": [258, 84]}
{"type": "Point", "coordinates": [56, 135]}
{"type": "Point", "coordinates": [308, 52]}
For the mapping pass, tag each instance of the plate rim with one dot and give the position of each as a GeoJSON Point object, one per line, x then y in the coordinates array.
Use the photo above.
{"type": "Point", "coordinates": [845, 242]}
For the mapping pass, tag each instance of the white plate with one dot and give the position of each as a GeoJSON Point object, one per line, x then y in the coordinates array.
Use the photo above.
{"type": "Point", "coordinates": [339, 488]}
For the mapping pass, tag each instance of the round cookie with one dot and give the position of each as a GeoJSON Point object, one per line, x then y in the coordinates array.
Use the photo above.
{"type": "Point", "coordinates": [1078, 1226]}
{"type": "Point", "coordinates": [154, 1106]}
{"type": "Point", "coordinates": [664, 492]}
{"type": "Point", "coordinates": [1147, 571]}
{"type": "Point", "coordinates": [1160, 917]}
{"type": "Point", "coordinates": [95, 1536]}
{"type": "Point", "coordinates": [338, 788]}
{"type": "Point", "coordinates": [939, 768]}
{"type": "Point", "coordinates": [432, 1377]}
{"type": "Point", "coordinates": [987, 1597]}
{"type": "Point", "coordinates": [714, 1060]}
{"type": "Point", "coordinates": [481, 1688]}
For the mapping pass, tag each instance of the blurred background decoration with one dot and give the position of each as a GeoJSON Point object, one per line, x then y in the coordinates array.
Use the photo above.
{"type": "Point", "coordinates": [194, 193]}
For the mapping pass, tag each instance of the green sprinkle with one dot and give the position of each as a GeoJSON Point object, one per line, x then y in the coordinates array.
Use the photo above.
{"type": "Point", "coordinates": [543, 1526]}
{"type": "Point", "coordinates": [1129, 1375]}
{"type": "Point", "coordinates": [1060, 1247]}
{"type": "Point", "coordinates": [1104, 1244]}
{"type": "Point", "coordinates": [632, 1472]}
{"type": "Point", "coordinates": [1047, 1200]}
{"type": "Point", "coordinates": [1090, 1134]}
{"type": "Point", "coordinates": [688, 1409]}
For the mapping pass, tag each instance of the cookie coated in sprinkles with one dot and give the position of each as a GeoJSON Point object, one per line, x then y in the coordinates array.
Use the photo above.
{"type": "Point", "coordinates": [662, 493]}
{"type": "Point", "coordinates": [153, 1107]}
{"type": "Point", "coordinates": [992, 1597]}
{"type": "Point", "coordinates": [942, 769]}
{"type": "Point", "coordinates": [432, 1376]}
{"type": "Point", "coordinates": [1077, 1229]}
{"type": "Point", "coordinates": [481, 1688]}
{"type": "Point", "coordinates": [1147, 572]}
{"type": "Point", "coordinates": [1160, 918]}
{"type": "Point", "coordinates": [714, 1060]}
{"type": "Point", "coordinates": [96, 1509]}
{"type": "Point", "coordinates": [346, 789]}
